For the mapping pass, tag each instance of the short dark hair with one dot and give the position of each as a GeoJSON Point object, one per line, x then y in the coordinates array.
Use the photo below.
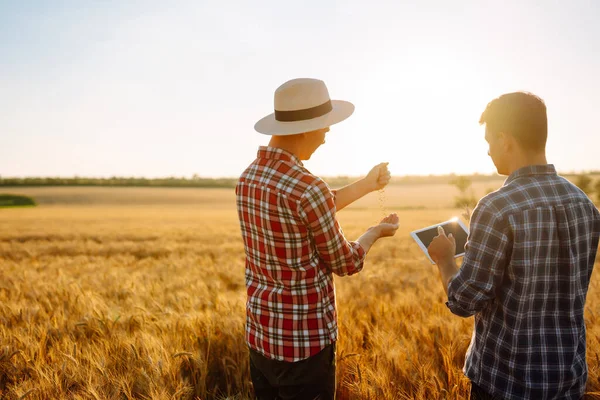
{"type": "Point", "coordinates": [520, 114]}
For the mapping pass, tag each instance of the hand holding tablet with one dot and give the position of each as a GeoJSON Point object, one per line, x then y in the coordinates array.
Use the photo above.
{"type": "Point", "coordinates": [459, 231]}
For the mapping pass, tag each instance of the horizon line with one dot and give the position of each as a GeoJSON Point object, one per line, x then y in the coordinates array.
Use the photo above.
{"type": "Point", "coordinates": [198, 177]}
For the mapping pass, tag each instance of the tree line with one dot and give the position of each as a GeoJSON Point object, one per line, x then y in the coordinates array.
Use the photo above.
{"type": "Point", "coordinates": [200, 182]}
{"type": "Point", "coordinates": [122, 181]}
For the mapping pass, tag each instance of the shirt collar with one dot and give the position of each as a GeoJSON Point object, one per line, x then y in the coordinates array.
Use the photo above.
{"type": "Point", "coordinates": [531, 170]}
{"type": "Point", "coordinates": [275, 153]}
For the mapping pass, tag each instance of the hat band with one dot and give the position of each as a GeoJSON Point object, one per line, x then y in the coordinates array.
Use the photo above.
{"type": "Point", "coordinates": [302, 115]}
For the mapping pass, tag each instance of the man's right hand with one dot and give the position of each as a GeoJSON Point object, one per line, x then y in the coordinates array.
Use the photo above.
{"type": "Point", "coordinates": [388, 225]}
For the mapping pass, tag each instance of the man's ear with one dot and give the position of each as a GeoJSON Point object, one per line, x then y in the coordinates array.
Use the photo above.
{"type": "Point", "coordinates": [507, 141]}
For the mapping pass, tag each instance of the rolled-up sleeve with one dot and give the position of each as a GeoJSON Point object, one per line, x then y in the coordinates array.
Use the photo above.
{"type": "Point", "coordinates": [318, 212]}
{"type": "Point", "coordinates": [486, 254]}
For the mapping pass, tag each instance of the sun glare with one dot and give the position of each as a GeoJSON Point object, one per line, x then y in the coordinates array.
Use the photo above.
{"type": "Point", "coordinates": [420, 117]}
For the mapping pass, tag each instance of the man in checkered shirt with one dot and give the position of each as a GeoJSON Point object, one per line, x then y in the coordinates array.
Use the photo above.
{"type": "Point", "coordinates": [294, 244]}
{"type": "Point", "coordinates": [527, 266]}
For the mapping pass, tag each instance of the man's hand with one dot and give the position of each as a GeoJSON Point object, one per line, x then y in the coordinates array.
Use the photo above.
{"type": "Point", "coordinates": [378, 177]}
{"type": "Point", "coordinates": [442, 248]}
{"type": "Point", "coordinates": [388, 225]}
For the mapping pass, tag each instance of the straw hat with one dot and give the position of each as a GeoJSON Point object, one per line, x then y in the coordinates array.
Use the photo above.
{"type": "Point", "coordinates": [303, 105]}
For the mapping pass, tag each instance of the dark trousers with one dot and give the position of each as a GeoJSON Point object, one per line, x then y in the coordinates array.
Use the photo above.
{"type": "Point", "coordinates": [310, 379]}
{"type": "Point", "coordinates": [478, 393]}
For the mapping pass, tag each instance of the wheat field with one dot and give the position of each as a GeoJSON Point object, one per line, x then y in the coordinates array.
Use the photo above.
{"type": "Point", "coordinates": [133, 293]}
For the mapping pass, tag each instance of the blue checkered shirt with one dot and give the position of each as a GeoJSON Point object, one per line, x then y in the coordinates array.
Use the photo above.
{"type": "Point", "coordinates": [525, 276]}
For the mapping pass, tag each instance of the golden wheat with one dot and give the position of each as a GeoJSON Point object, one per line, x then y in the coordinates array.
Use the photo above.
{"type": "Point", "coordinates": [139, 294]}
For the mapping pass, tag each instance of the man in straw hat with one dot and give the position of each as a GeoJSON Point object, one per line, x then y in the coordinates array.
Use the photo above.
{"type": "Point", "coordinates": [527, 266]}
{"type": "Point", "coordinates": [294, 244]}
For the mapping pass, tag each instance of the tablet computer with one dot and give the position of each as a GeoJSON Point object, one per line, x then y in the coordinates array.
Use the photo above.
{"type": "Point", "coordinates": [424, 236]}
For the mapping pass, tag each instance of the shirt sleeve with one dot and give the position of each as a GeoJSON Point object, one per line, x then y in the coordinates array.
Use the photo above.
{"type": "Point", "coordinates": [318, 212]}
{"type": "Point", "coordinates": [486, 254]}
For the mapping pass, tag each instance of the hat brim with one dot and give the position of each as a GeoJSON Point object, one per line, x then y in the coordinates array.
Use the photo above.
{"type": "Point", "coordinates": [270, 126]}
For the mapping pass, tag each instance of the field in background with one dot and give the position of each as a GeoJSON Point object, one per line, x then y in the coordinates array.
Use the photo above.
{"type": "Point", "coordinates": [399, 196]}
{"type": "Point", "coordinates": [114, 293]}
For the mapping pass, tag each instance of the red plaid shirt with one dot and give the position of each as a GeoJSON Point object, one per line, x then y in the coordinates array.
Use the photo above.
{"type": "Point", "coordinates": [294, 245]}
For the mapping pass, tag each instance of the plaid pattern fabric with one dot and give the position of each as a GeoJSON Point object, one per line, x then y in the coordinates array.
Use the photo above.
{"type": "Point", "coordinates": [293, 245]}
{"type": "Point", "coordinates": [525, 276]}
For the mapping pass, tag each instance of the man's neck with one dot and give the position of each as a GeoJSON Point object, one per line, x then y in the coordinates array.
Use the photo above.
{"type": "Point", "coordinates": [280, 142]}
{"type": "Point", "coordinates": [528, 160]}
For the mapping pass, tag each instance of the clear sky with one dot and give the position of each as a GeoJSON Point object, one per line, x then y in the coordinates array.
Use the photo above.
{"type": "Point", "coordinates": [161, 88]}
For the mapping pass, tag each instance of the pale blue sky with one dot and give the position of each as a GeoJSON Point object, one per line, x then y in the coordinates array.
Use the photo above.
{"type": "Point", "coordinates": [156, 88]}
